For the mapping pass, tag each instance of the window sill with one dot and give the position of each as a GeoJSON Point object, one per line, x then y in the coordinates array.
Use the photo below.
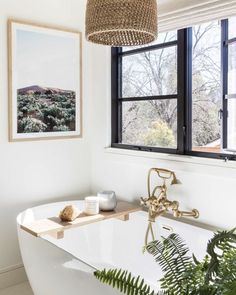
{"type": "Point", "coordinates": [171, 157]}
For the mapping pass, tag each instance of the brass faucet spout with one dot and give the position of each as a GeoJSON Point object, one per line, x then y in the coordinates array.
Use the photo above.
{"type": "Point", "coordinates": [157, 201]}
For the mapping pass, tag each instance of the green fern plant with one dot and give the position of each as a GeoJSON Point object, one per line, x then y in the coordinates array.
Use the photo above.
{"type": "Point", "coordinates": [184, 275]}
{"type": "Point", "coordinates": [124, 282]}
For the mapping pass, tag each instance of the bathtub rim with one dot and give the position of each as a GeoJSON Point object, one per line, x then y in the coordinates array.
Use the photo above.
{"type": "Point", "coordinates": [189, 221]}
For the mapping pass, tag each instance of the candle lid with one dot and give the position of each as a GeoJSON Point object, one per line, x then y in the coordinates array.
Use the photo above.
{"type": "Point", "coordinates": [91, 198]}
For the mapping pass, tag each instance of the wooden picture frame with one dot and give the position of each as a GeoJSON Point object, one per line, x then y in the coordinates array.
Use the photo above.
{"type": "Point", "coordinates": [45, 82]}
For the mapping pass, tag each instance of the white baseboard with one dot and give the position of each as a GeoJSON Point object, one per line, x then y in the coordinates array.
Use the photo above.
{"type": "Point", "coordinates": [12, 275]}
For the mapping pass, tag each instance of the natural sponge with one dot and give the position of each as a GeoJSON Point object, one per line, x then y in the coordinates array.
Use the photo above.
{"type": "Point", "coordinates": [69, 213]}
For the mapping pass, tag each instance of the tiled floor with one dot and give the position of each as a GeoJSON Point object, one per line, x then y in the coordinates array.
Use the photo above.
{"type": "Point", "coordinates": [21, 289]}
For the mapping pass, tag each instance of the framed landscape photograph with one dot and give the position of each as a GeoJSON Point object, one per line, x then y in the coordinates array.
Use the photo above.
{"type": "Point", "coordinates": [45, 82]}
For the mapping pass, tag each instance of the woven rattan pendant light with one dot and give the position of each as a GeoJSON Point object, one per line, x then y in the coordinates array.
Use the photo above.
{"type": "Point", "coordinates": [121, 22]}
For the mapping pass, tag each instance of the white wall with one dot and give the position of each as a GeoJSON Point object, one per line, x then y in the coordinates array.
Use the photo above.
{"type": "Point", "coordinates": [205, 186]}
{"type": "Point", "coordinates": [33, 173]}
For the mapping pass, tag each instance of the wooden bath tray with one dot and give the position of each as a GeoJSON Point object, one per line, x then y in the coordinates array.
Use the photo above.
{"type": "Point", "coordinates": [55, 227]}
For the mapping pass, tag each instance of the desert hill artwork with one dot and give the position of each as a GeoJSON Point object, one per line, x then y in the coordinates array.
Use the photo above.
{"type": "Point", "coordinates": [45, 109]}
{"type": "Point", "coordinates": [45, 82]}
{"type": "Point", "coordinates": [43, 90]}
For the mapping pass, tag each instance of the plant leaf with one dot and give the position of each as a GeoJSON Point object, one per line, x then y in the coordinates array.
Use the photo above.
{"type": "Point", "coordinates": [124, 282]}
{"type": "Point", "coordinates": [221, 241]}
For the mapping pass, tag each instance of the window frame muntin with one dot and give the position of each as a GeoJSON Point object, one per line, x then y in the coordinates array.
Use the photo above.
{"type": "Point", "coordinates": [117, 99]}
{"type": "Point", "coordinates": [121, 54]}
{"type": "Point", "coordinates": [226, 42]}
{"type": "Point", "coordinates": [184, 95]}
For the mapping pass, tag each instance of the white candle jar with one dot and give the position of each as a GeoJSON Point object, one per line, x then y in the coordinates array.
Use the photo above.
{"type": "Point", "coordinates": [91, 205]}
{"type": "Point", "coordinates": [107, 200]}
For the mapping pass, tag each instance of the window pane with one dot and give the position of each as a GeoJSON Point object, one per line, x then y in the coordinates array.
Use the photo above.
{"type": "Point", "coordinates": [232, 27]}
{"type": "Point", "coordinates": [231, 124]}
{"type": "Point", "coordinates": [206, 87]}
{"type": "Point", "coordinates": [162, 38]}
{"type": "Point", "coordinates": [232, 69]}
{"type": "Point", "coordinates": [150, 123]}
{"type": "Point", "coordinates": [150, 73]}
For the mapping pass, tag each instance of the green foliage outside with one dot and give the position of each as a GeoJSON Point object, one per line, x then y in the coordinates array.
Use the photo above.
{"type": "Point", "coordinates": [154, 73]}
{"type": "Point", "coordinates": [183, 274]}
{"type": "Point", "coordinates": [47, 112]}
{"type": "Point", "coordinates": [159, 135]}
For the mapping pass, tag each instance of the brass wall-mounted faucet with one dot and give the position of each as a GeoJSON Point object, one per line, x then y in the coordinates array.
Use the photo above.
{"type": "Point", "coordinates": [157, 201]}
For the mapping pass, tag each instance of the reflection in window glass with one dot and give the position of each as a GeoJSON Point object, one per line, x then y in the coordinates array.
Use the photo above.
{"type": "Point", "coordinates": [150, 73]}
{"type": "Point", "coordinates": [231, 124]}
{"type": "Point", "coordinates": [232, 69]}
{"type": "Point", "coordinates": [162, 38]}
{"type": "Point", "coordinates": [232, 27]}
{"type": "Point", "coordinates": [150, 123]}
{"type": "Point", "coordinates": [206, 87]}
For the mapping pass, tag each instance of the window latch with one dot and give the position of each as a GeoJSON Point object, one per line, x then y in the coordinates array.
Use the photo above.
{"type": "Point", "coordinates": [220, 114]}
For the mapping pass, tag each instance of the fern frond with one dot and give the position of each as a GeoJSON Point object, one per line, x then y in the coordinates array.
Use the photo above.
{"type": "Point", "coordinates": [124, 282]}
{"type": "Point", "coordinates": [232, 289]}
{"type": "Point", "coordinates": [223, 241]}
{"type": "Point", "coordinates": [205, 290]}
{"type": "Point", "coordinates": [183, 275]}
{"type": "Point", "coordinates": [225, 280]}
{"type": "Point", "coordinates": [171, 254]}
{"type": "Point", "coordinates": [195, 260]}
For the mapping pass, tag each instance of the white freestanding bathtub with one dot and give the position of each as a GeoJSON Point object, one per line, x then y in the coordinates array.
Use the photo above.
{"type": "Point", "coordinates": [66, 266]}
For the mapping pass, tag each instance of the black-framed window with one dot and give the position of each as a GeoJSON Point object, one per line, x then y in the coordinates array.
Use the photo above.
{"type": "Point", "coordinates": [178, 95]}
{"type": "Point", "coordinates": [229, 84]}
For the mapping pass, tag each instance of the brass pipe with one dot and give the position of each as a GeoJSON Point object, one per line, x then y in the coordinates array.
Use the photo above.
{"type": "Point", "coordinates": [194, 213]}
{"type": "Point", "coordinates": [159, 204]}
{"type": "Point", "coordinates": [149, 229]}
